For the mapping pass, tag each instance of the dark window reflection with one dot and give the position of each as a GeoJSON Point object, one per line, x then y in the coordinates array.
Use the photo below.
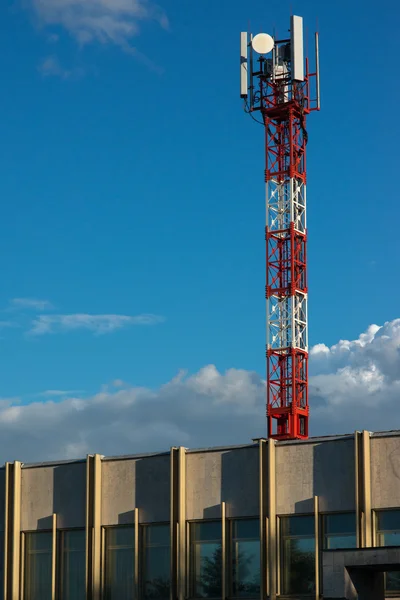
{"type": "Point", "coordinates": [72, 567]}
{"type": "Point", "coordinates": [298, 555]}
{"type": "Point", "coordinates": [120, 557]}
{"type": "Point", "coordinates": [206, 559]}
{"type": "Point", "coordinates": [156, 561]}
{"type": "Point", "coordinates": [38, 564]}
{"type": "Point", "coordinates": [388, 534]}
{"type": "Point", "coordinates": [1, 565]}
{"type": "Point", "coordinates": [245, 558]}
{"type": "Point", "coordinates": [339, 531]}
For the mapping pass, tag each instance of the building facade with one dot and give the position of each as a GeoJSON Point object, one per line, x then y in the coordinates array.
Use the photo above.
{"type": "Point", "coordinates": [236, 522]}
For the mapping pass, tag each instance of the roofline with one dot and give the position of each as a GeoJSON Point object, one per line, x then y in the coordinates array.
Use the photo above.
{"type": "Point", "coordinates": [311, 440]}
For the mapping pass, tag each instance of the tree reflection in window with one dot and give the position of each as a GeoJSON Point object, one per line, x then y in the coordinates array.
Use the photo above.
{"type": "Point", "coordinates": [297, 555]}
{"type": "Point", "coordinates": [206, 559]}
{"type": "Point", "coordinates": [245, 558]}
{"type": "Point", "coordinates": [156, 562]}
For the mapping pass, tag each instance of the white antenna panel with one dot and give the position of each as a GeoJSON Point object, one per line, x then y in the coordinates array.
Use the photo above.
{"type": "Point", "coordinates": [243, 64]}
{"type": "Point", "coordinates": [297, 50]}
{"type": "Point", "coordinates": [262, 43]}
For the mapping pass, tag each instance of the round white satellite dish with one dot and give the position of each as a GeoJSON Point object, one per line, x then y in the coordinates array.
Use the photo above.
{"type": "Point", "coordinates": [262, 43]}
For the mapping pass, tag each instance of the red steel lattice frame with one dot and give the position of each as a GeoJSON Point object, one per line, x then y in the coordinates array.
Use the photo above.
{"type": "Point", "coordinates": [286, 269]}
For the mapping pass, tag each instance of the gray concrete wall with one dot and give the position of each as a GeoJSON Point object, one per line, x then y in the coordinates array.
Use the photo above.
{"type": "Point", "coordinates": [385, 472]}
{"type": "Point", "coordinates": [229, 476]}
{"type": "Point", "coordinates": [142, 483]}
{"type": "Point", "coordinates": [325, 469]}
{"type": "Point", "coordinates": [53, 489]}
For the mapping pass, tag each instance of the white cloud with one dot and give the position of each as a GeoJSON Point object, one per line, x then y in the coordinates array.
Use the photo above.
{"type": "Point", "coordinates": [115, 21]}
{"type": "Point", "coordinates": [51, 67]}
{"type": "Point", "coordinates": [354, 385]}
{"type": "Point", "coordinates": [99, 324]}
{"type": "Point", "coordinates": [31, 303]}
{"type": "Point", "coordinates": [56, 393]}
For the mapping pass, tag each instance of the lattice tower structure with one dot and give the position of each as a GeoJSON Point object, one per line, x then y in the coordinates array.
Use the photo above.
{"type": "Point", "coordinates": [286, 259]}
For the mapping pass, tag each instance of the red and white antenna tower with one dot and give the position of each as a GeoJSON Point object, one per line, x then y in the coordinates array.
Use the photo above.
{"type": "Point", "coordinates": [276, 85]}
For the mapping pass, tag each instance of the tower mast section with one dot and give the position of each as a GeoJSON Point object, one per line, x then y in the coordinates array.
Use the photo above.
{"type": "Point", "coordinates": [277, 93]}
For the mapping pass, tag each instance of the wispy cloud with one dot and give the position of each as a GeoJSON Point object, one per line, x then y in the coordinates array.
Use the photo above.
{"type": "Point", "coordinates": [56, 393]}
{"type": "Point", "coordinates": [51, 67]}
{"type": "Point", "coordinates": [99, 324]}
{"type": "Point", "coordinates": [115, 21]}
{"type": "Point", "coordinates": [31, 303]}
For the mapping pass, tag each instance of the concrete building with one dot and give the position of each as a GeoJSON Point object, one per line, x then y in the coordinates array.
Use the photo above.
{"type": "Point", "coordinates": [266, 520]}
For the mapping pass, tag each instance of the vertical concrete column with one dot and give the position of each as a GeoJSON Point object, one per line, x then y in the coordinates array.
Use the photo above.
{"type": "Point", "coordinates": [182, 541]}
{"type": "Point", "coordinates": [136, 552]}
{"type": "Point", "coordinates": [7, 530]}
{"type": "Point", "coordinates": [317, 548]}
{"type": "Point", "coordinates": [174, 521]}
{"type": "Point", "coordinates": [357, 489]}
{"type": "Point", "coordinates": [54, 558]}
{"type": "Point", "coordinates": [272, 542]}
{"type": "Point", "coordinates": [263, 510]}
{"type": "Point", "coordinates": [362, 444]}
{"type": "Point", "coordinates": [93, 527]}
{"type": "Point", "coordinates": [223, 549]}
{"type": "Point", "coordinates": [15, 528]}
{"type": "Point", "coordinates": [367, 493]}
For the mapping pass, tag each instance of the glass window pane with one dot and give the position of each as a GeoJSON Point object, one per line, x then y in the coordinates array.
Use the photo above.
{"type": "Point", "coordinates": [246, 528]}
{"type": "Point", "coordinates": [389, 520]}
{"type": "Point", "coordinates": [335, 542]}
{"type": "Point", "coordinates": [388, 526]}
{"type": "Point", "coordinates": [206, 559]}
{"type": "Point", "coordinates": [245, 558]}
{"type": "Point", "coordinates": [393, 581]}
{"type": "Point", "coordinates": [1, 564]}
{"type": "Point", "coordinates": [389, 539]}
{"type": "Point", "coordinates": [340, 523]}
{"type": "Point", "coordinates": [156, 561]}
{"type": "Point", "coordinates": [38, 563]}
{"type": "Point", "coordinates": [295, 526]}
{"type": "Point", "coordinates": [298, 555]}
{"type": "Point", "coordinates": [73, 565]}
{"type": "Point", "coordinates": [207, 531]}
{"type": "Point", "coordinates": [246, 568]}
{"type": "Point", "coordinates": [340, 531]}
{"type": "Point", "coordinates": [119, 557]}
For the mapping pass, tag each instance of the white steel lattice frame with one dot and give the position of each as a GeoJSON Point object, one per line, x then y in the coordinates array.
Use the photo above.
{"type": "Point", "coordinates": [286, 314]}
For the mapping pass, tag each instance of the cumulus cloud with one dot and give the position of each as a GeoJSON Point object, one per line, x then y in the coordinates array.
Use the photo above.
{"type": "Point", "coordinates": [354, 384]}
{"type": "Point", "coordinates": [31, 303]}
{"type": "Point", "coordinates": [105, 21]}
{"type": "Point", "coordinates": [99, 324]}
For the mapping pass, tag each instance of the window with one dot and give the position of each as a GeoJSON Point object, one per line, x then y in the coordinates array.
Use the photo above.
{"type": "Point", "coordinates": [156, 561]}
{"type": "Point", "coordinates": [297, 555]}
{"type": "Point", "coordinates": [72, 565]}
{"type": "Point", "coordinates": [388, 534]}
{"type": "Point", "coordinates": [206, 559]}
{"type": "Point", "coordinates": [339, 531]}
{"type": "Point", "coordinates": [120, 563]}
{"type": "Point", "coordinates": [1, 565]}
{"type": "Point", "coordinates": [245, 558]}
{"type": "Point", "coordinates": [38, 564]}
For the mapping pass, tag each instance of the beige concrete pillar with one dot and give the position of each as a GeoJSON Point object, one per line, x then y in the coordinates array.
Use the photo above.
{"type": "Point", "coordinates": [273, 562]}
{"type": "Point", "coordinates": [93, 527]}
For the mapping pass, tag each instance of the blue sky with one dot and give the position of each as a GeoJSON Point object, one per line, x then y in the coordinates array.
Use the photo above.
{"type": "Point", "coordinates": [132, 184]}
